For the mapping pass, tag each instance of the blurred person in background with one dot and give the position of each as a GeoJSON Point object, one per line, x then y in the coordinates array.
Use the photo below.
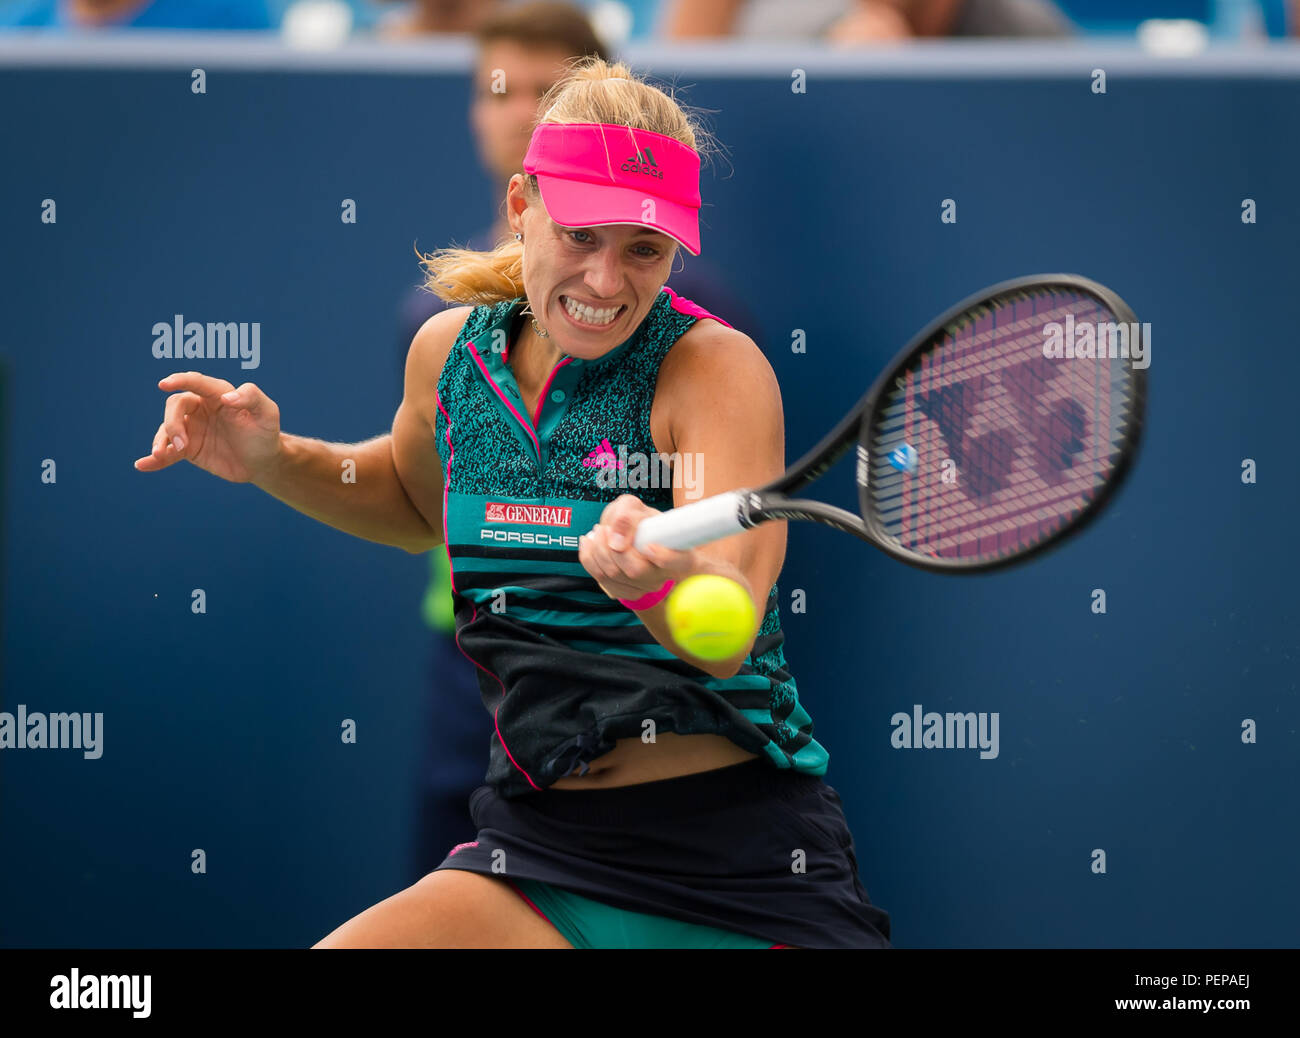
{"type": "Point", "coordinates": [860, 21]}
{"type": "Point", "coordinates": [137, 14]}
{"type": "Point", "coordinates": [523, 48]}
{"type": "Point", "coordinates": [424, 17]}
{"type": "Point", "coordinates": [614, 21]}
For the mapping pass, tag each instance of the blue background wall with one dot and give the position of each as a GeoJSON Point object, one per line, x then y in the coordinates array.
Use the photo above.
{"type": "Point", "coordinates": [1119, 732]}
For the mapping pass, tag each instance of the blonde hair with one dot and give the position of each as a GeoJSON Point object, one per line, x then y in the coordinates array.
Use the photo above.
{"type": "Point", "coordinates": [592, 90]}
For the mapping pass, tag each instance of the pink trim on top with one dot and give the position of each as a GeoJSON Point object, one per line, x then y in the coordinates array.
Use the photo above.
{"type": "Point", "coordinates": [494, 717]}
{"type": "Point", "coordinates": [685, 306]}
{"type": "Point", "coordinates": [522, 421]}
{"type": "Point", "coordinates": [542, 399]}
{"type": "Point", "coordinates": [446, 487]}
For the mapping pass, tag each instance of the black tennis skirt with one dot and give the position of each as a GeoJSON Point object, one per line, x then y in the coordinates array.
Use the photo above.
{"type": "Point", "coordinates": [749, 848]}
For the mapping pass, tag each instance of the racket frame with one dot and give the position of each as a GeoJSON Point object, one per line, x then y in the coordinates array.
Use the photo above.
{"type": "Point", "coordinates": [772, 501]}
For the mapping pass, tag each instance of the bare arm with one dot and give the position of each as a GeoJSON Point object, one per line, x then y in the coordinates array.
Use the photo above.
{"type": "Point", "coordinates": [387, 490]}
{"type": "Point", "coordinates": [353, 487]}
{"type": "Point", "coordinates": [724, 409]}
{"type": "Point", "coordinates": [392, 493]}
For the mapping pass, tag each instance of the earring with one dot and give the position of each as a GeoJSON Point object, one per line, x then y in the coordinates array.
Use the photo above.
{"type": "Point", "coordinates": [518, 236]}
{"type": "Point", "coordinates": [528, 310]}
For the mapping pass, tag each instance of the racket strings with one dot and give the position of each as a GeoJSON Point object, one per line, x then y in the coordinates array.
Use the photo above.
{"type": "Point", "coordinates": [987, 445]}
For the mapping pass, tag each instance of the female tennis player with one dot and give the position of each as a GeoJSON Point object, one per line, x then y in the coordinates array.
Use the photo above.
{"type": "Point", "coordinates": [635, 796]}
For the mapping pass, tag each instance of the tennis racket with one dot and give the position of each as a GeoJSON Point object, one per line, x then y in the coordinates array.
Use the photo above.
{"type": "Point", "coordinates": [997, 432]}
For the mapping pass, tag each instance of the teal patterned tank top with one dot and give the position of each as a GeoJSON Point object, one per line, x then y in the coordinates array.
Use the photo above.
{"type": "Point", "coordinates": [565, 670]}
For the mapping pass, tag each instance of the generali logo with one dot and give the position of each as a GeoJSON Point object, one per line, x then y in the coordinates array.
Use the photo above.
{"type": "Point", "coordinates": [532, 515]}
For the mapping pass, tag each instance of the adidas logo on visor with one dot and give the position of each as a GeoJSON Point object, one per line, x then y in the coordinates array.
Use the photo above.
{"type": "Point", "coordinates": [643, 162]}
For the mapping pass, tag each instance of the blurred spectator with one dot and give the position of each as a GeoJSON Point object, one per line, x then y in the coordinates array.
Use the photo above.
{"type": "Point", "coordinates": [861, 21]}
{"type": "Point", "coordinates": [1278, 18]}
{"type": "Point", "coordinates": [614, 21]}
{"type": "Point", "coordinates": [137, 14]}
{"type": "Point", "coordinates": [436, 16]}
{"type": "Point", "coordinates": [522, 51]}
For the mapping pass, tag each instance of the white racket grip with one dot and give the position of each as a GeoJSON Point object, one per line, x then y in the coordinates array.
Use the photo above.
{"type": "Point", "coordinates": [697, 523]}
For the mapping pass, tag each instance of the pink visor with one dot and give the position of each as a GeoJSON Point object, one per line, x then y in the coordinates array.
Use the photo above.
{"type": "Point", "coordinates": [591, 174]}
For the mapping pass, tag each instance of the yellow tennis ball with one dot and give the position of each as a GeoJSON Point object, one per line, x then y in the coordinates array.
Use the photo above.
{"type": "Point", "coordinates": [711, 617]}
